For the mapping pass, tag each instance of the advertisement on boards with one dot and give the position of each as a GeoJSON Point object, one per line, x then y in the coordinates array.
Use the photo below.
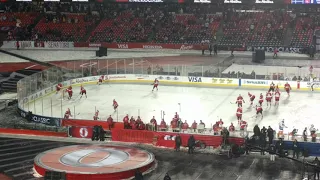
{"type": "Point", "coordinates": [50, 121]}
{"type": "Point", "coordinates": [222, 81]}
{"type": "Point", "coordinates": [169, 78]}
{"type": "Point", "coordinates": [194, 79]}
{"type": "Point", "coordinates": [254, 82]}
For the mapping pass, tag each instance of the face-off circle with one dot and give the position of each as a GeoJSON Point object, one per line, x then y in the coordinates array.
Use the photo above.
{"type": "Point", "coordinates": [102, 161]}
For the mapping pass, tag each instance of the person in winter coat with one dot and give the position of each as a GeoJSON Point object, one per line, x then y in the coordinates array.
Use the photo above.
{"type": "Point", "coordinates": [256, 130]}
{"type": "Point", "coordinates": [191, 144]}
{"type": "Point", "coordinates": [270, 134]}
{"type": "Point", "coordinates": [167, 177]}
{"type": "Point", "coordinates": [178, 142]}
{"type": "Point", "coordinates": [295, 149]}
{"type": "Point", "coordinates": [138, 175]}
{"type": "Point", "coordinates": [272, 152]}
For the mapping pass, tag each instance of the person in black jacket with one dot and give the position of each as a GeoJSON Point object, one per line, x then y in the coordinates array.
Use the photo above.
{"type": "Point", "coordinates": [295, 149]}
{"type": "Point", "coordinates": [178, 142]}
{"type": "Point", "coordinates": [272, 152]}
{"type": "Point", "coordinates": [167, 177]}
{"type": "Point", "coordinates": [256, 131]}
{"type": "Point", "coordinates": [270, 134]}
{"type": "Point", "coordinates": [191, 144]}
{"type": "Point", "coordinates": [138, 175]}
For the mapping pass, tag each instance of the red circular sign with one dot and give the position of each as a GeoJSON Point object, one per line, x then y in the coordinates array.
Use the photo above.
{"type": "Point", "coordinates": [93, 159]}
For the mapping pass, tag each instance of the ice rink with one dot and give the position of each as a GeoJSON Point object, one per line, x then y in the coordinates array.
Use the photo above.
{"type": "Point", "coordinates": [207, 104]}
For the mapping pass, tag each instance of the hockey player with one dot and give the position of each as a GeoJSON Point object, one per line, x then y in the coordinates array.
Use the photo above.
{"type": "Point", "coordinates": [272, 86]}
{"type": "Point", "coordinates": [261, 99]}
{"type": "Point", "coordinates": [70, 92]}
{"type": "Point", "coordinates": [281, 128]}
{"type": "Point", "coordinates": [259, 111]}
{"type": "Point", "coordinates": [155, 84]}
{"type": "Point", "coordinates": [268, 98]}
{"type": "Point", "coordinates": [115, 105]}
{"type": "Point", "coordinates": [243, 128]}
{"type": "Point", "coordinates": [276, 98]}
{"type": "Point", "coordinates": [312, 82]}
{"type": "Point", "coordinates": [240, 100]}
{"type": "Point", "coordinates": [58, 88]}
{"type": "Point", "coordinates": [96, 115]}
{"type": "Point", "coordinates": [252, 97]}
{"type": "Point", "coordinates": [287, 87]}
{"type": "Point", "coordinates": [239, 114]}
{"type": "Point", "coordinates": [67, 114]}
{"type": "Point", "coordinates": [83, 92]}
{"type": "Point", "coordinates": [101, 78]}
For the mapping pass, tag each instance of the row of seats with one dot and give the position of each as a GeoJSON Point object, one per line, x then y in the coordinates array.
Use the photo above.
{"type": "Point", "coordinates": [240, 29]}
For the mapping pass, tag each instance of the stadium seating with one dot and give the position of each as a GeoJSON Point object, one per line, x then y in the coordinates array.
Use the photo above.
{"type": "Point", "coordinates": [69, 27]}
{"type": "Point", "coordinates": [10, 19]}
{"type": "Point", "coordinates": [302, 36]}
{"type": "Point", "coordinates": [171, 23]}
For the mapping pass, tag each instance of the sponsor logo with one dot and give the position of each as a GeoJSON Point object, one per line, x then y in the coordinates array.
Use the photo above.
{"type": "Point", "coordinates": [25, 100]}
{"type": "Point", "coordinates": [160, 77]}
{"type": "Point", "coordinates": [156, 1]}
{"type": "Point", "coordinates": [315, 84]}
{"type": "Point", "coordinates": [264, 2]}
{"type": "Point", "coordinates": [117, 77]}
{"type": "Point", "coordinates": [48, 90]}
{"type": "Point", "coordinates": [168, 78]}
{"type": "Point", "coordinates": [186, 47]}
{"type": "Point", "coordinates": [40, 94]}
{"type": "Point", "coordinates": [280, 49]}
{"type": "Point", "coordinates": [6, 28]}
{"type": "Point", "coordinates": [176, 78]}
{"type": "Point", "coordinates": [141, 76]}
{"type": "Point", "coordinates": [42, 120]}
{"type": "Point", "coordinates": [83, 132]}
{"type": "Point", "coordinates": [255, 82]}
{"type": "Point", "coordinates": [202, 1]}
{"type": "Point", "coordinates": [51, 44]}
{"type": "Point", "coordinates": [95, 45]}
{"type": "Point", "coordinates": [152, 47]}
{"type": "Point", "coordinates": [233, 1]}
{"type": "Point", "coordinates": [221, 81]}
{"type": "Point", "coordinates": [194, 79]}
{"type": "Point", "coordinates": [24, 44]}
{"type": "Point", "coordinates": [123, 46]}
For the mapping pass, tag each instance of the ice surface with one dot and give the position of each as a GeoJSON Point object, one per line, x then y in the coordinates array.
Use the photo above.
{"type": "Point", "coordinates": [208, 104]}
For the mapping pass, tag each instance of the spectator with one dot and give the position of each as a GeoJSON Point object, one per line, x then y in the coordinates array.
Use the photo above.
{"type": "Point", "coordinates": [295, 149]}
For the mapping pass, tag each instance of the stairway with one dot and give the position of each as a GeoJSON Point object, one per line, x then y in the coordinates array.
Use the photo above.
{"type": "Point", "coordinates": [10, 84]}
{"type": "Point", "coordinates": [288, 37]}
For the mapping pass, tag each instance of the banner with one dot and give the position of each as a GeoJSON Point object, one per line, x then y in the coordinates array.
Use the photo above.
{"type": "Point", "coordinates": [140, 46]}
{"type": "Point", "coordinates": [222, 81]}
{"type": "Point", "coordinates": [81, 131]}
{"type": "Point", "coordinates": [58, 45]}
{"type": "Point", "coordinates": [22, 44]}
{"type": "Point", "coordinates": [280, 49]}
{"type": "Point", "coordinates": [50, 121]}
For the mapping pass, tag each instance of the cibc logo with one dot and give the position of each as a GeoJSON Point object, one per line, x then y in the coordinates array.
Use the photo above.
{"type": "Point", "coordinates": [83, 132]}
{"type": "Point", "coordinates": [41, 120]}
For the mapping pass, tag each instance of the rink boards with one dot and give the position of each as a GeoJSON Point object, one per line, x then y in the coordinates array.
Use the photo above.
{"type": "Point", "coordinates": [175, 80]}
